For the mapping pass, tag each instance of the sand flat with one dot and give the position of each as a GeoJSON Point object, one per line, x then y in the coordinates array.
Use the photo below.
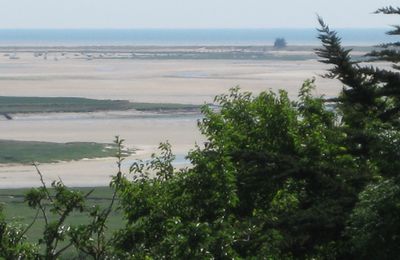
{"type": "Point", "coordinates": [172, 81]}
{"type": "Point", "coordinates": [166, 81]}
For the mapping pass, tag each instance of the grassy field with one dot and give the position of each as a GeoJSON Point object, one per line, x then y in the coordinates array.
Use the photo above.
{"type": "Point", "coordinates": [26, 152]}
{"type": "Point", "coordinates": [17, 211]}
{"type": "Point", "coordinates": [11, 105]}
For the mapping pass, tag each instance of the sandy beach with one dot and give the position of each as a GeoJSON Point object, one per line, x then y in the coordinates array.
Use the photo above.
{"type": "Point", "coordinates": [137, 80]}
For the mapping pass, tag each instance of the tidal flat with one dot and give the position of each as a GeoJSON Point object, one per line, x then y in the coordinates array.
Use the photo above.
{"type": "Point", "coordinates": [138, 75]}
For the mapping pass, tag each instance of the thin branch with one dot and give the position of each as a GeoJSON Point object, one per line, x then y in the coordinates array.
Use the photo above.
{"type": "Point", "coordinates": [89, 193]}
{"type": "Point", "coordinates": [63, 249]}
{"type": "Point", "coordinates": [42, 181]}
{"type": "Point", "coordinates": [107, 212]}
{"type": "Point", "coordinates": [30, 225]}
{"type": "Point", "coordinates": [44, 213]}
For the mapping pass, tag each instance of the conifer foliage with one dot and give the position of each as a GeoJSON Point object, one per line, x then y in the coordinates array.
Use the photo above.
{"type": "Point", "coordinates": [367, 89]}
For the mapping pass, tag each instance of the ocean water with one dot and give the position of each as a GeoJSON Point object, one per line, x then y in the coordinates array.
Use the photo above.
{"type": "Point", "coordinates": [180, 37]}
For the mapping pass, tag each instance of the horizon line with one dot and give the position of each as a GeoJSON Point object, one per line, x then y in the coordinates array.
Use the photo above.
{"type": "Point", "coordinates": [199, 28]}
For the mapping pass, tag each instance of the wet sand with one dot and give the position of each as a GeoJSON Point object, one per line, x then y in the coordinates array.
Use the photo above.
{"type": "Point", "coordinates": [173, 81]}
{"type": "Point", "coordinates": [166, 81]}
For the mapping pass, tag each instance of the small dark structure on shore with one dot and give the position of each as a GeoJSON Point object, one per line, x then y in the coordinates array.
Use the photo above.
{"type": "Point", "coordinates": [280, 43]}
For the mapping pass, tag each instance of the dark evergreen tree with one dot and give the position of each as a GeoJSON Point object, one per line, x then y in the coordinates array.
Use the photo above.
{"type": "Point", "coordinates": [370, 108]}
{"type": "Point", "coordinates": [372, 91]}
{"type": "Point", "coordinates": [370, 99]}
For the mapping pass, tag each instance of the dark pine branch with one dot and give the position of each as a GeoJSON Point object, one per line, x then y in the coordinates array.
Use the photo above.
{"type": "Point", "coordinates": [395, 31]}
{"type": "Point", "coordinates": [389, 80]}
{"type": "Point", "coordinates": [389, 45]}
{"type": "Point", "coordinates": [388, 10]}
{"type": "Point", "coordinates": [385, 55]}
{"type": "Point", "coordinates": [359, 87]}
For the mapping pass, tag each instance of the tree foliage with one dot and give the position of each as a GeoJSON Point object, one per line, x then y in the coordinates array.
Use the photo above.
{"type": "Point", "coordinates": [374, 226]}
{"type": "Point", "coordinates": [265, 184]}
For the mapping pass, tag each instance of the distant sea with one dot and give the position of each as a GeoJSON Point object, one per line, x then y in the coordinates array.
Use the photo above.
{"type": "Point", "coordinates": [180, 37]}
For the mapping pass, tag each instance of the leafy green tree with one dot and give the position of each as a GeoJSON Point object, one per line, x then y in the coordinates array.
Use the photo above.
{"type": "Point", "coordinates": [267, 183]}
{"type": "Point", "coordinates": [91, 239]}
{"type": "Point", "coordinates": [55, 205]}
{"type": "Point", "coordinates": [374, 227]}
{"type": "Point", "coordinates": [13, 243]}
{"type": "Point", "coordinates": [55, 209]}
{"type": "Point", "coordinates": [270, 140]}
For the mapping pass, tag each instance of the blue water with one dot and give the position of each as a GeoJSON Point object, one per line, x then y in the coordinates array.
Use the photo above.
{"type": "Point", "coordinates": [72, 37]}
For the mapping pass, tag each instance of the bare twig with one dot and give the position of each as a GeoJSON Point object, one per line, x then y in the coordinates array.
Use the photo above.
{"type": "Point", "coordinates": [43, 209]}
{"type": "Point", "coordinates": [62, 250]}
{"type": "Point", "coordinates": [42, 181]}
{"type": "Point", "coordinates": [30, 225]}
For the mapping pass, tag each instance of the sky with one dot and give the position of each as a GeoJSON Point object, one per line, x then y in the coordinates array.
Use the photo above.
{"type": "Point", "coordinates": [125, 14]}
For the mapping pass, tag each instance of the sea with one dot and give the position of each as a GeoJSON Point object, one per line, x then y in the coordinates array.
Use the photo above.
{"type": "Point", "coordinates": [183, 37]}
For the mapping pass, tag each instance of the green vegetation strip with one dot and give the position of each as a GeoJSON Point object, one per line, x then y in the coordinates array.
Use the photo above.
{"type": "Point", "coordinates": [17, 211]}
{"type": "Point", "coordinates": [45, 152]}
{"type": "Point", "coordinates": [11, 105]}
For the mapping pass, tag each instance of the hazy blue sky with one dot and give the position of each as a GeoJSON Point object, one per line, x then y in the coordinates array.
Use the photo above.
{"type": "Point", "coordinates": [190, 13]}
